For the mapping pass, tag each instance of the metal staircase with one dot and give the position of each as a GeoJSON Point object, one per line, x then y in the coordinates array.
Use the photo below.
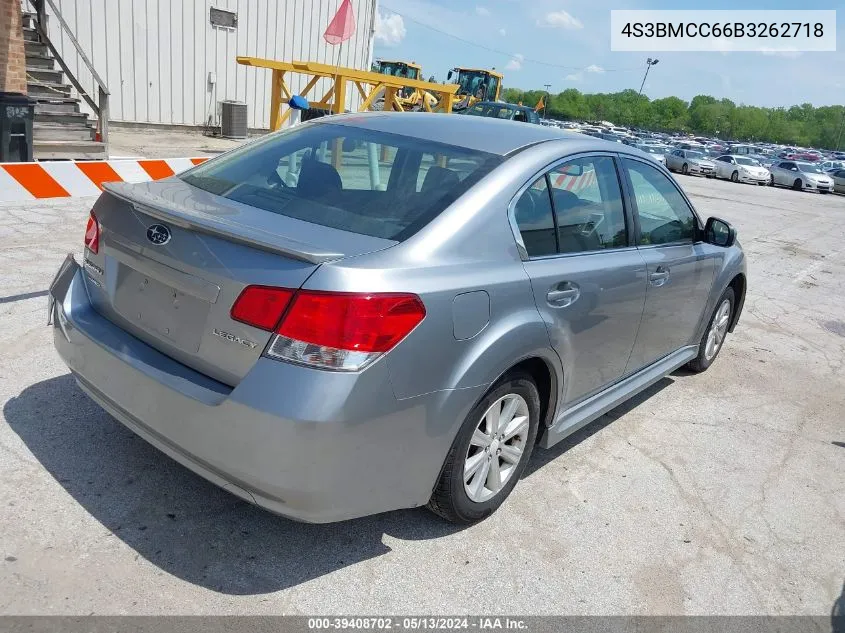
{"type": "Point", "coordinates": [60, 130]}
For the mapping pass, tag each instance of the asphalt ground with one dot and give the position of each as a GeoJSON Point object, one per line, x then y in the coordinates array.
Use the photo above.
{"type": "Point", "coordinates": [719, 493]}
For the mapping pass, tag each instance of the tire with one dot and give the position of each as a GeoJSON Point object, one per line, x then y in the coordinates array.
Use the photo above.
{"type": "Point", "coordinates": [797, 185]}
{"type": "Point", "coordinates": [705, 359]}
{"type": "Point", "coordinates": [685, 169]}
{"type": "Point", "coordinates": [771, 180]}
{"type": "Point", "coordinates": [735, 176]}
{"type": "Point", "coordinates": [451, 499]}
{"type": "Point", "coordinates": [823, 191]}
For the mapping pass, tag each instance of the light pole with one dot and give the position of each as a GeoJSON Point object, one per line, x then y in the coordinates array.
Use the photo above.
{"type": "Point", "coordinates": [546, 100]}
{"type": "Point", "coordinates": [648, 64]}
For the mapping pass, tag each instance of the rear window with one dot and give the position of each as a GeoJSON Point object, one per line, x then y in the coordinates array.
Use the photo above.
{"type": "Point", "coordinates": [348, 178]}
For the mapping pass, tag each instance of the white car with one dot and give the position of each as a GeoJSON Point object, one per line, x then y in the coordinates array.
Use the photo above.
{"type": "Point", "coordinates": [741, 169]}
{"type": "Point", "coordinates": [831, 165]}
{"type": "Point", "coordinates": [801, 176]}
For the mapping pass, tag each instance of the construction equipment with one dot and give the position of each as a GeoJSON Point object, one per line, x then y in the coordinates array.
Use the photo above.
{"type": "Point", "coordinates": [475, 84]}
{"type": "Point", "coordinates": [409, 98]}
{"type": "Point", "coordinates": [369, 85]}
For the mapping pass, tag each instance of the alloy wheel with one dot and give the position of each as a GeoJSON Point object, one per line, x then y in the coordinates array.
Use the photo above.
{"type": "Point", "coordinates": [496, 447]}
{"type": "Point", "coordinates": [718, 330]}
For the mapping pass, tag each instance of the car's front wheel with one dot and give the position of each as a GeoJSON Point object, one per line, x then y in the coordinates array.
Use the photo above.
{"type": "Point", "coordinates": [735, 177]}
{"type": "Point", "coordinates": [685, 169]}
{"type": "Point", "coordinates": [717, 330]}
{"type": "Point", "coordinates": [489, 453]}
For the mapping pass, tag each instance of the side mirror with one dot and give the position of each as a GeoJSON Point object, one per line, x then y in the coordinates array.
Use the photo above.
{"type": "Point", "coordinates": [719, 233]}
{"type": "Point", "coordinates": [449, 75]}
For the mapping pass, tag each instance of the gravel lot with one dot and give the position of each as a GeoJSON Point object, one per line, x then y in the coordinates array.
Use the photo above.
{"type": "Point", "coordinates": [720, 493]}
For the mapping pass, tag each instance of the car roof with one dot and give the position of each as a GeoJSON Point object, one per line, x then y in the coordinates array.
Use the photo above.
{"type": "Point", "coordinates": [483, 134]}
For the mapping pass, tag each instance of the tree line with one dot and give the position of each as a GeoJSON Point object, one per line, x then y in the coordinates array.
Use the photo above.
{"type": "Point", "coordinates": [803, 125]}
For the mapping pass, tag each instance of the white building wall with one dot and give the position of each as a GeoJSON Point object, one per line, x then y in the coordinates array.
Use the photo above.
{"type": "Point", "coordinates": [156, 55]}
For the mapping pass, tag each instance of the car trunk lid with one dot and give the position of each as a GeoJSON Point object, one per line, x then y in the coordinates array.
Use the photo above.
{"type": "Point", "coordinates": [173, 259]}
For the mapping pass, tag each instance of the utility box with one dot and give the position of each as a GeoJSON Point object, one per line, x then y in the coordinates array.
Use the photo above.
{"type": "Point", "coordinates": [233, 120]}
{"type": "Point", "coordinates": [16, 114]}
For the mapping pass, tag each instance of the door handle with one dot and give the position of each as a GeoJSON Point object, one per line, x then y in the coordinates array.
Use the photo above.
{"type": "Point", "coordinates": [660, 276]}
{"type": "Point", "coordinates": [563, 294]}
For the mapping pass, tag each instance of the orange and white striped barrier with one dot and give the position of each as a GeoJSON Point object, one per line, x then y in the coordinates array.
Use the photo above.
{"type": "Point", "coordinates": [575, 183]}
{"type": "Point", "coordinates": [66, 179]}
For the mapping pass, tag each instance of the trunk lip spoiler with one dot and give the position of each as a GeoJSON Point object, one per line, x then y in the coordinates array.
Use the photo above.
{"type": "Point", "coordinates": [272, 242]}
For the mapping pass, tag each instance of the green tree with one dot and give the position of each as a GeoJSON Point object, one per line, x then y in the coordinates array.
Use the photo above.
{"type": "Point", "coordinates": [803, 124]}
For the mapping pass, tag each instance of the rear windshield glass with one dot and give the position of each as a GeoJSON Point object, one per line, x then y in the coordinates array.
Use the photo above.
{"type": "Point", "coordinates": [345, 177]}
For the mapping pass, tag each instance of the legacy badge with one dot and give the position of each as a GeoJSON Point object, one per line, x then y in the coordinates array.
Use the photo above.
{"type": "Point", "coordinates": [234, 339]}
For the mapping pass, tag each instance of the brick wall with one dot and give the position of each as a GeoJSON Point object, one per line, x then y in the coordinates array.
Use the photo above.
{"type": "Point", "coordinates": [12, 51]}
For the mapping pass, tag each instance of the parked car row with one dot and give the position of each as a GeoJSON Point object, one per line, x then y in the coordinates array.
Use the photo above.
{"type": "Point", "coordinates": [802, 169]}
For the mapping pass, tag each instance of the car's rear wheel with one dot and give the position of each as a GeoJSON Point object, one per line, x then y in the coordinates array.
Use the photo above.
{"type": "Point", "coordinates": [735, 176]}
{"type": "Point", "coordinates": [717, 330]}
{"type": "Point", "coordinates": [489, 453]}
{"type": "Point", "coordinates": [771, 180]}
{"type": "Point", "coordinates": [797, 185]}
{"type": "Point", "coordinates": [685, 169]}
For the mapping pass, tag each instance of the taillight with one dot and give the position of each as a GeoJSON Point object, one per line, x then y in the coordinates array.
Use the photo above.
{"type": "Point", "coordinates": [261, 306]}
{"type": "Point", "coordinates": [344, 331]}
{"type": "Point", "coordinates": [92, 234]}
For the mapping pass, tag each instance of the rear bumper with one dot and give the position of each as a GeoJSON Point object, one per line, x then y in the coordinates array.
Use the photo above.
{"type": "Point", "coordinates": [312, 445]}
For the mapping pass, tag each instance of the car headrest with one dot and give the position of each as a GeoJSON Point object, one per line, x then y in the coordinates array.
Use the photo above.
{"type": "Point", "coordinates": [317, 179]}
{"type": "Point", "coordinates": [439, 178]}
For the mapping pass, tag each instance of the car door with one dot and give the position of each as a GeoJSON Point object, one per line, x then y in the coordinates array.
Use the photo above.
{"type": "Point", "coordinates": [680, 266]}
{"type": "Point", "coordinates": [723, 166]}
{"type": "Point", "coordinates": [588, 279]}
{"type": "Point", "coordinates": [784, 173]}
{"type": "Point", "coordinates": [673, 160]}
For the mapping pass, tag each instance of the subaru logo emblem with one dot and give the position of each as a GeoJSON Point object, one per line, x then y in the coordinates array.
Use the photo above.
{"type": "Point", "coordinates": [158, 234]}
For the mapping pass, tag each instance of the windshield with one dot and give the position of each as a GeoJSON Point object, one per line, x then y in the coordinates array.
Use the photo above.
{"type": "Point", "coordinates": [477, 83]}
{"type": "Point", "coordinates": [809, 168]}
{"type": "Point", "coordinates": [742, 160]}
{"type": "Point", "coordinates": [347, 178]}
{"type": "Point", "coordinates": [691, 154]}
{"type": "Point", "coordinates": [651, 149]}
{"type": "Point", "coordinates": [398, 69]}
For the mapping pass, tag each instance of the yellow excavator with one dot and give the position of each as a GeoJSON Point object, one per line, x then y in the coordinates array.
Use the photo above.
{"type": "Point", "coordinates": [408, 98]}
{"type": "Point", "coordinates": [474, 85]}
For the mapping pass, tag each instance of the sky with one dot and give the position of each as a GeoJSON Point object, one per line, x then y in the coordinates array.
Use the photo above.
{"type": "Point", "coordinates": [572, 37]}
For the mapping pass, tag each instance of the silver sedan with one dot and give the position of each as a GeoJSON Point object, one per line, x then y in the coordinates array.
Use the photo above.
{"type": "Point", "coordinates": [800, 176]}
{"type": "Point", "coordinates": [741, 169]}
{"type": "Point", "coordinates": [838, 180]}
{"type": "Point", "coordinates": [690, 161]}
{"type": "Point", "coordinates": [328, 334]}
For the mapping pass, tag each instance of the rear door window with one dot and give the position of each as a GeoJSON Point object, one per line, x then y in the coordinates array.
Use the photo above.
{"type": "Point", "coordinates": [588, 205]}
{"type": "Point", "coordinates": [535, 219]}
{"type": "Point", "coordinates": [345, 177]}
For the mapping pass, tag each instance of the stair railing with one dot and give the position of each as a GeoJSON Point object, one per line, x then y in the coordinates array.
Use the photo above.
{"type": "Point", "coordinates": [101, 107]}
